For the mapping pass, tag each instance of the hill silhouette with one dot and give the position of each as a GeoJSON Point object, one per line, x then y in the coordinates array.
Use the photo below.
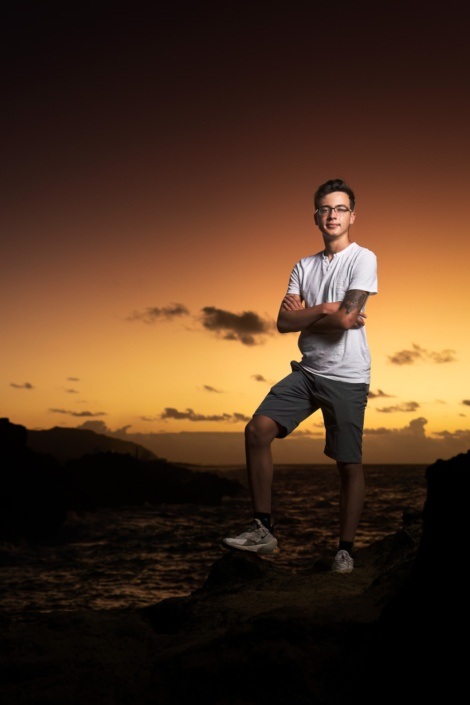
{"type": "Point", "coordinates": [70, 443]}
{"type": "Point", "coordinates": [44, 474]}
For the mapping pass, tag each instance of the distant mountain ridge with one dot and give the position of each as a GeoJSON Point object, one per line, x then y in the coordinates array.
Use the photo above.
{"type": "Point", "coordinates": [46, 474]}
{"type": "Point", "coordinates": [66, 444]}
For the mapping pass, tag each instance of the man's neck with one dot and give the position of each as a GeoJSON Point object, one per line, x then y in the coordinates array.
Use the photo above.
{"type": "Point", "coordinates": [332, 247]}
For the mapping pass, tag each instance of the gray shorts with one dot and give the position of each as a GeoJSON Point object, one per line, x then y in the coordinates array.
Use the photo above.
{"type": "Point", "coordinates": [343, 405]}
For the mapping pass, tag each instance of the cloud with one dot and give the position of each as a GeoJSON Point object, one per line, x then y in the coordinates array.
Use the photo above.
{"type": "Point", "coordinates": [409, 357]}
{"type": "Point", "coordinates": [78, 414]}
{"type": "Point", "coordinates": [414, 428]}
{"type": "Point", "coordinates": [259, 378]}
{"type": "Point", "coordinates": [26, 385]}
{"type": "Point", "coordinates": [466, 402]}
{"type": "Point", "coordinates": [405, 407]}
{"type": "Point", "coordinates": [377, 394]}
{"type": "Point", "coordinates": [73, 379]}
{"type": "Point", "coordinates": [247, 327]}
{"type": "Point", "coordinates": [71, 391]}
{"type": "Point", "coordinates": [100, 427]}
{"type": "Point", "coordinates": [208, 388]}
{"type": "Point", "coordinates": [301, 432]}
{"type": "Point", "coordinates": [240, 417]}
{"type": "Point", "coordinates": [154, 313]}
{"type": "Point", "coordinates": [190, 415]}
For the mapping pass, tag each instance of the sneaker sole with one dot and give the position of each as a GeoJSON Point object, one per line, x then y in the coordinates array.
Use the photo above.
{"type": "Point", "coordinates": [263, 549]}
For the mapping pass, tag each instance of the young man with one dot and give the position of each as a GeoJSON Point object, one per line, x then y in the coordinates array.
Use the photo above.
{"type": "Point", "coordinates": [325, 302]}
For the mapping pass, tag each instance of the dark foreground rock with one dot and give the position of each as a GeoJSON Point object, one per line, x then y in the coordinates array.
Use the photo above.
{"type": "Point", "coordinates": [255, 634]}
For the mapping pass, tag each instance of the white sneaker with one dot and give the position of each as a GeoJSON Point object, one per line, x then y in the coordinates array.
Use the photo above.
{"type": "Point", "coordinates": [343, 563]}
{"type": "Point", "coordinates": [257, 539]}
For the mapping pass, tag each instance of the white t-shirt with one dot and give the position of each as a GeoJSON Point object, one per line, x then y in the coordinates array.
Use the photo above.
{"type": "Point", "coordinates": [340, 355]}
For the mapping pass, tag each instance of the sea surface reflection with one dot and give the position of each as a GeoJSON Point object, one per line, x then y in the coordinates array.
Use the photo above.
{"type": "Point", "coordinates": [137, 556]}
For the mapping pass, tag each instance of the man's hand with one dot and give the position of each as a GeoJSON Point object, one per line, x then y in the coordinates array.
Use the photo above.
{"type": "Point", "coordinates": [291, 302]}
{"type": "Point", "coordinates": [360, 321]}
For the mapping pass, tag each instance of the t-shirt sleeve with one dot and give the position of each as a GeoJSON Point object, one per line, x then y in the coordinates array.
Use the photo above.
{"type": "Point", "coordinates": [294, 281]}
{"type": "Point", "coordinates": [364, 274]}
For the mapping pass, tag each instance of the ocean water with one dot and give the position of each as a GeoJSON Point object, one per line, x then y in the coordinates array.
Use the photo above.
{"type": "Point", "coordinates": [137, 556]}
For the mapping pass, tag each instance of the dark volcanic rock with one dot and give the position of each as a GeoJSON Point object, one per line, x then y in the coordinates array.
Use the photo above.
{"type": "Point", "coordinates": [418, 633]}
{"type": "Point", "coordinates": [258, 634]}
{"type": "Point", "coordinates": [252, 634]}
{"type": "Point", "coordinates": [33, 494]}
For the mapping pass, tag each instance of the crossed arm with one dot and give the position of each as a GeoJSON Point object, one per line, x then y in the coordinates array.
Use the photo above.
{"type": "Point", "coordinates": [339, 315]}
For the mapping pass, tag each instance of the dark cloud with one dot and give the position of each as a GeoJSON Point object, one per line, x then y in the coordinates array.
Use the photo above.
{"type": "Point", "coordinates": [454, 435]}
{"type": "Point", "coordinates": [25, 385]}
{"type": "Point", "coordinates": [71, 391]}
{"type": "Point", "coordinates": [97, 426]}
{"type": "Point", "coordinates": [73, 379]}
{"type": "Point", "coordinates": [240, 417]}
{"type": "Point", "coordinates": [466, 402]}
{"type": "Point", "coordinates": [406, 407]}
{"type": "Point", "coordinates": [100, 427]}
{"type": "Point", "coordinates": [247, 327]}
{"type": "Point", "coordinates": [307, 432]}
{"type": "Point", "coordinates": [442, 357]}
{"type": "Point", "coordinates": [208, 388]}
{"type": "Point", "coordinates": [414, 428]}
{"type": "Point", "coordinates": [377, 394]}
{"type": "Point", "coordinates": [154, 313]}
{"type": "Point", "coordinates": [259, 378]}
{"type": "Point", "coordinates": [409, 357]}
{"type": "Point", "coordinates": [78, 414]}
{"type": "Point", "coordinates": [377, 431]}
{"type": "Point", "coordinates": [190, 415]}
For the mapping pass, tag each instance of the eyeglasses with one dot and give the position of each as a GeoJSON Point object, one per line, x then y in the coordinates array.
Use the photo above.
{"type": "Point", "coordinates": [327, 210]}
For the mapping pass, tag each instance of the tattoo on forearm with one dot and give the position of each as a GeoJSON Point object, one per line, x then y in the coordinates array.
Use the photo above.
{"type": "Point", "coordinates": [354, 300]}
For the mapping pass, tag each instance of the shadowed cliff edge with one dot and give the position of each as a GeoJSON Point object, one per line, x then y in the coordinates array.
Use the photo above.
{"type": "Point", "coordinates": [254, 633]}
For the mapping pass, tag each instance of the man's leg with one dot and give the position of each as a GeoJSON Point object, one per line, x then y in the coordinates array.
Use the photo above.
{"type": "Point", "coordinates": [259, 435]}
{"type": "Point", "coordinates": [290, 401]}
{"type": "Point", "coordinates": [351, 499]}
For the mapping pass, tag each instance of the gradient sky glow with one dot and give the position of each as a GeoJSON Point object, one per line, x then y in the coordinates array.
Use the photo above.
{"type": "Point", "coordinates": [158, 175]}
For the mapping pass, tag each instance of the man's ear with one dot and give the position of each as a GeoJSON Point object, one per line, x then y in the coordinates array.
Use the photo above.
{"type": "Point", "coordinates": [315, 218]}
{"type": "Point", "coordinates": [352, 217]}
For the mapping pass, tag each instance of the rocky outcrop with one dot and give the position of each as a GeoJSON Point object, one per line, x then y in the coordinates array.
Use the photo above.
{"type": "Point", "coordinates": [32, 497]}
{"type": "Point", "coordinates": [420, 633]}
{"type": "Point", "coordinates": [255, 633]}
{"type": "Point", "coordinates": [251, 634]}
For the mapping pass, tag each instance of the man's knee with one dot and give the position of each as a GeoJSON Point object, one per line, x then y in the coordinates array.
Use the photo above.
{"type": "Point", "coordinates": [261, 431]}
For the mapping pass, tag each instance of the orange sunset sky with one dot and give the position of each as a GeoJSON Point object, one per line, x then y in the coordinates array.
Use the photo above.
{"type": "Point", "coordinates": [158, 178]}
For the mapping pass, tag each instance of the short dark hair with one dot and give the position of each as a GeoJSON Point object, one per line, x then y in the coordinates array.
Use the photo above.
{"type": "Point", "coordinates": [335, 185]}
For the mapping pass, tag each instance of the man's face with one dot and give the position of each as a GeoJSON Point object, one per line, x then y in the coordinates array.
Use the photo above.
{"type": "Point", "coordinates": [334, 223]}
